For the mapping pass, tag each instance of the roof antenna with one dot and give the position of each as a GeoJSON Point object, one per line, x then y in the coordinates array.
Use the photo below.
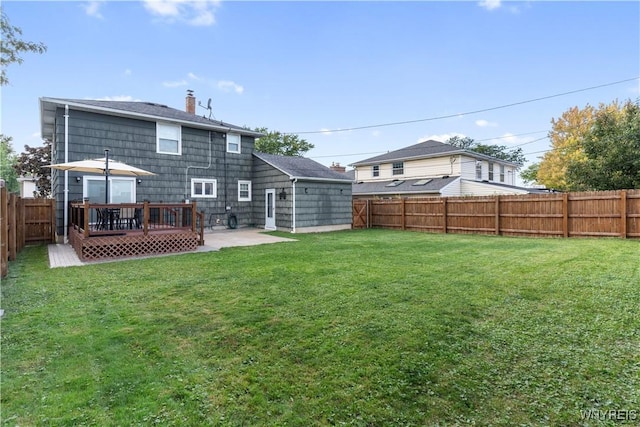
{"type": "Point", "coordinates": [208, 107]}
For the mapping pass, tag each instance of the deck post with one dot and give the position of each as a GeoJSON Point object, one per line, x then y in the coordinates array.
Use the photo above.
{"type": "Point", "coordinates": [145, 218]}
{"type": "Point", "coordinates": [87, 214]}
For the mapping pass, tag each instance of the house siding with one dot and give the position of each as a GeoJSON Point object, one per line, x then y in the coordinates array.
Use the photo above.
{"type": "Point", "coordinates": [323, 203]}
{"type": "Point", "coordinates": [265, 177]}
{"type": "Point", "coordinates": [133, 141]}
{"type": "Point", "coordinates": [431, 167]}
{"type": "Point", "coordinates": [318, 203]}
{"type": "Point", "coordinates": [475, 188]}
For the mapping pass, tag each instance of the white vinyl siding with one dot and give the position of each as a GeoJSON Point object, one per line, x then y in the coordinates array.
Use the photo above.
{"type": "Point", "coordinates": [169, 138]}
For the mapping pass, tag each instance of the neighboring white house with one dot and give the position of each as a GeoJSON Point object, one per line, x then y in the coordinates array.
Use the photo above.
{"type": "Point", "coordinates": [434, 168]}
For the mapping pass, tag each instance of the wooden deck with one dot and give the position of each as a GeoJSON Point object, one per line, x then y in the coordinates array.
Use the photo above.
{"type": "Point", "coordinates": [96, 233]}
{"type": "Point", "coordinates": [133, 243]}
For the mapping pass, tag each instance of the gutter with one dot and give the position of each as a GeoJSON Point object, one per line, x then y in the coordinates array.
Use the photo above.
{"type": "Point", "coordinates": [66, 173]}
{"type": "Point", "coordinates": [293, 219]}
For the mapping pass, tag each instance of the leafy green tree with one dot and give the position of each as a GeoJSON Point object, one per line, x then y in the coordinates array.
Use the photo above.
{"type": "Point", "coordinates": [611, 150]}
{"type": "Point", "coordinates": [12, 47]}
{"type": "Point", "coordinates": [530, 174]}
{"type": "Point", "coordinates": [501, 152]}
{"type": "Point", "coordinates": [7, 164]}
{"type": "Point", "coordinates": [32, 162]}
{"type": "Point", "coordinates": [286, 144]}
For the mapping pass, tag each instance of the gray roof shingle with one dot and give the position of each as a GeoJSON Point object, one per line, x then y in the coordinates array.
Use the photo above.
{"type": "Point", "coordinates": [131, 108]}
{"type": "Point", "coordinates": [301, 167]}
{"type": "Point", "coordinates": [406, 187]}
{"type": "Point", "coordinates": [421, 150]}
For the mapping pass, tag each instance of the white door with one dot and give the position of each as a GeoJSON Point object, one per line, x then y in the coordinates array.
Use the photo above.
{"type": "Point", "coordinates": [270, 209]}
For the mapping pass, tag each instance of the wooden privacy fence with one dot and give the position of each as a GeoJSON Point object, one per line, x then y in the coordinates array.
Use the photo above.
{"type": "Point", "coordinates": [22, 222]}
{"type": "Point", "coordinates": [585, 214]}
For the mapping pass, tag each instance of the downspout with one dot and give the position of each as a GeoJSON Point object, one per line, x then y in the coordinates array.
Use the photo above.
{"type": "Point", "coordinates": [186, 174]}
{"type": "Point", "coordinates": [293, 219]}
{"type": "Point", "coordinates": [66, 173]}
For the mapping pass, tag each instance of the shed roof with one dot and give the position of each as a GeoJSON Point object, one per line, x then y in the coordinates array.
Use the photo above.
{"type": "Point", "coordinates": [302, 168]}
{"type": "Point", "coordinates": [408, 186]}
{"type": "Point", "coordinates": [423, 150]}
{"type": "Point", "coordinates": [139, 110]}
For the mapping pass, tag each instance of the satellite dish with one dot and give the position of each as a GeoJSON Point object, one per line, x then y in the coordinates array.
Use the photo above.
{"type": "Point", "coordinates": [209, 104]}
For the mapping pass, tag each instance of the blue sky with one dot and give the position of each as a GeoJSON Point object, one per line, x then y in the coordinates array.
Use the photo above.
{"type": "Point", "coordinates": [315, 68]}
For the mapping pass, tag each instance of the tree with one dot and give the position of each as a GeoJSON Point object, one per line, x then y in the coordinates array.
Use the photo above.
{"type": "Point", "coordinates": [286, 144]}
{"type": "Point", "coordinates": [611, 151]}
{"type": "Point", "coordinates": [12, 47]}
{"type": "Point", "coordinates": [566, 142]}
{"type": "Point", "coordinates": [32, 162]}
{"type": "Point", "coordinates": [7, 163]}
{"type": "Point", "coordinates": [501, 152]}
{"type": "Point", "coordinates": [530, 174]}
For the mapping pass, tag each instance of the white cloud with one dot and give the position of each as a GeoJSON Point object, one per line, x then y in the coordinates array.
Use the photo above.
{"type": "Point", "coordinates": [193, 76]}
{"type": "Point", "coordinates": [175, 83]}
{"type": "Point", "coordinates": [229, 86]}
{"type": "Point", "coordinates": [444, 137]}
{"type": "Point", "coordinates": [92, 8]}
{"type": "Point", "coordinates": [484, 123]}
{"type": "Point", "coordinates": [127, 72]}
{"type": "Point", "coordinates": [191, 12]}
{"type": "Point", "coordinates": [490, 4]}
{"type": "Point", "coordinates": [376, 133]}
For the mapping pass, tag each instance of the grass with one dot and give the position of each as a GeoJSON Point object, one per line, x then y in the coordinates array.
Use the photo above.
{"type": "Point", "coordinates": [370, 327]}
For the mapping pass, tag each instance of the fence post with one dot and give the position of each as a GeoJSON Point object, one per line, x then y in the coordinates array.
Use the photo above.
{"type": "Point", "coordinates": [86, 216]}
{"type": "Point", "coordinates": [193, 216]}
{"type": "Point", "coordinates": [497, 212]}
{"type": "Point", "coordinates": [565, 214]}
{"type": "Point", "coordinates": [444, 215]}
{"type": "Point", "coordinates": [4, 257]}
{"type": "Point", "coordinates": [402, 208]}
{"type": "Point", "coordinates": [13, 221]}
{"type": "Point", "coordinates": [368, 213]}
{"type": "Point", "coordinates": [52, 220]}
{"type": "Point", "coordinates": [623, 214]}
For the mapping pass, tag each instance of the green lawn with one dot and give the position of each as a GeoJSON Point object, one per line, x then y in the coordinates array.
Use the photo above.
{"type": "Point", "coordinates": [370, 327]}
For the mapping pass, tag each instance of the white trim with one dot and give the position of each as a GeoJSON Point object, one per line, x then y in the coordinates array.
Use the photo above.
{"type": "Point", "coordinates": [239, 150]}
{"type": "Point", "coordinates": [195, 195]}
{"type": "Point", "coordinates": [240, 198]}
{"type": "Point", "coordinates": [168, 125]}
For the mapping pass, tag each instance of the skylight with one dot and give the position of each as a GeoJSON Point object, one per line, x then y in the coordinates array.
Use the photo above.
{"type": "Point", "coordinates": [394, 183]}
{"type": "Point", "coordinates": [422, 182]}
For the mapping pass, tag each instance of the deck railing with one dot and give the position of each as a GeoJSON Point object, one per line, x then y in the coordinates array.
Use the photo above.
{"type": "Point", "coordinates": [100, 219]}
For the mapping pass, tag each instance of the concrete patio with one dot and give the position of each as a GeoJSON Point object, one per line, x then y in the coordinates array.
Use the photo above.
{"type": "Point", "coordinates": [61, 255]}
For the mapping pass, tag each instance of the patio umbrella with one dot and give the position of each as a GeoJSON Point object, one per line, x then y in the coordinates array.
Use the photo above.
{"type": "Point", "coordinates": [102, 166]}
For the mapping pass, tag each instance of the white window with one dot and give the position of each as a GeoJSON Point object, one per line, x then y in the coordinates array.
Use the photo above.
{"type": "Point", "coordinates": [375, 170]}
{"type": "Point", "coordinates": [233, 143]}
{"type": "Point", "coordinates": [204, 188]}
{"type": "Point", "coordinates": [397, 168]}
{"type": "Point", "coordinates": [478, 170]}
{"type": "Point", "coordinates": [169, 138]}
{"type": "Point", "coordinates": [501, 173]}
{"type": "Point", "coordinates": [244, 191]}
{"type": "Point", "coordinates": [490, 171]}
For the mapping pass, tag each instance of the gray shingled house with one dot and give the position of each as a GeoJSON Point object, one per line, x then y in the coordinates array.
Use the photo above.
{"type": "Point", "coordinates": [194, 159]}
{"type": "Point", "coordinates": [299, 194]}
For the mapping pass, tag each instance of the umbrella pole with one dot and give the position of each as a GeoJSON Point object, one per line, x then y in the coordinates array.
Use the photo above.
{"type": "Point", "coordinates": [106, 177]}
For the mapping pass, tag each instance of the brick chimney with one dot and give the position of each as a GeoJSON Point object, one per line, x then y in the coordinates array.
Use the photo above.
{"type": "Point", "coordinates": [190, 102]}
{"type": "Point", "coordinates": [337, 168]}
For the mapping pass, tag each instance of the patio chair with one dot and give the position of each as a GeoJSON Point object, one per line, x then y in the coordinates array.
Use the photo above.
{"type": "Point", "coordinates": [128, 218]}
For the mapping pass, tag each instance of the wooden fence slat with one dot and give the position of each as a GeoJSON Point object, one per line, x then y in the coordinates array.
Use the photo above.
{"type": "Point", "coordinates": [589, 214]}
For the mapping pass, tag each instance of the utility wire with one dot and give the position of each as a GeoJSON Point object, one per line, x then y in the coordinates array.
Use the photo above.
{"type": "Point", "coordinates": [468, 112]}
